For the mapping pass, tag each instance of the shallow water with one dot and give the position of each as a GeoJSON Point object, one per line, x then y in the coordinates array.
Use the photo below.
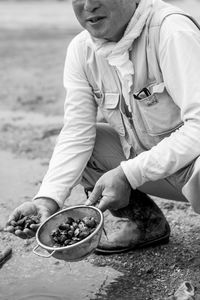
{"type": "Point", "coordinates": [76, 281]}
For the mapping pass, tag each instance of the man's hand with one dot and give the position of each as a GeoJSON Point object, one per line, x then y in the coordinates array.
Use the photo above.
{"type": "Point", "coordinates": [41, 207]}
{"type": "Point", "coordinates": [111, 191]}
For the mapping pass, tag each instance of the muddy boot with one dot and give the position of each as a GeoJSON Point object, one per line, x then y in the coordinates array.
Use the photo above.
{"type": "Point", "coordinates": [140, 224]}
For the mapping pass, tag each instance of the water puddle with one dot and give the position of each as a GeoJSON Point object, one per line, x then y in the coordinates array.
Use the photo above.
{"type": "Point", "coordinates": [77, 281]}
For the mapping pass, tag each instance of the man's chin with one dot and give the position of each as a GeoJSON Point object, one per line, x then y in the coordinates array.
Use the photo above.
{"type": "Point", "coordinates": [96, 35]}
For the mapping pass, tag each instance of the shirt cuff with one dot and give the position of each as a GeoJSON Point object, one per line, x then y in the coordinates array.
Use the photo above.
{"type": "Point", "coordinates": [48, 192]}
{"type": "Point", "coordinates": [128, 174]}
{"type": "Point", "coordinates": [134, 170]}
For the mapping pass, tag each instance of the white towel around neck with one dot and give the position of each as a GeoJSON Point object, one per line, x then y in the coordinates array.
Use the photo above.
{"type": "Point", "coordinates": [117, 53]}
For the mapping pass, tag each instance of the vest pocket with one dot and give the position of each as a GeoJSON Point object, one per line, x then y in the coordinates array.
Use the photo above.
{"type": "Point", "coordinates": [108, 104]}
{"type": "Point", "coordinates": [159, 113]}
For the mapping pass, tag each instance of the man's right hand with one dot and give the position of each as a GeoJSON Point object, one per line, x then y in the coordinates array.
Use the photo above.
{"type": "Point", "coordinates": [41, 207]}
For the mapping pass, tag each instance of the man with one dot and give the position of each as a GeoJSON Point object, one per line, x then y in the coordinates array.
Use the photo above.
{"type": "Point", "coordinates": [139, 62]}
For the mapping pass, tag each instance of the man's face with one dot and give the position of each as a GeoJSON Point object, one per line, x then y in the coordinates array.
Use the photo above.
{"type": "Point", "coordinates": [105, 19]}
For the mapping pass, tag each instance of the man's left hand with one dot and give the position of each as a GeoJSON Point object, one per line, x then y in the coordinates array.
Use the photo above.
{"type": "Point", "coordinates": [111, 191]}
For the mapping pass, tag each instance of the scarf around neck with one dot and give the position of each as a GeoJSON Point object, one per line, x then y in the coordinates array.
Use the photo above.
{"type": "Point", "coordinates": [117, 53]}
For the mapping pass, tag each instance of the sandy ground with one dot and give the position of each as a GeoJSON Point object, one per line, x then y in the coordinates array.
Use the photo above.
{"type": "Point", "coordinates": [33, 41]}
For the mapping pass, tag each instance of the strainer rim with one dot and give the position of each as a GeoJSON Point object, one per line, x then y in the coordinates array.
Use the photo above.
{"type": "Point", "coordinates": [99, 226]}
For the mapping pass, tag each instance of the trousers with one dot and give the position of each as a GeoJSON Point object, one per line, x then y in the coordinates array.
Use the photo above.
{"type": "Point", "coordinates": [184, 185]}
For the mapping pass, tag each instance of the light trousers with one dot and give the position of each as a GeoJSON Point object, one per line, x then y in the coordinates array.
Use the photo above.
{"type": "Point", "coordinates": [184, 185]}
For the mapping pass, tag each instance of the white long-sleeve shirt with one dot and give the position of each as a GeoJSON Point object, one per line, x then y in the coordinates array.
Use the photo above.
{"type": "Point", "coordinates": [179, 53]}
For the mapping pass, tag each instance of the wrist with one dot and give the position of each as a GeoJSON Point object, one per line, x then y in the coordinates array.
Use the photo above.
{"type": "Point", "coordinates": [123, 175]}
{"type": "Point", "coordinates": [49, 203]}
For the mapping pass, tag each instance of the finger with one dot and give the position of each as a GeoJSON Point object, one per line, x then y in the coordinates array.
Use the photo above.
{"type": "Point", "coordinates": [94, 196]}
{"type": "Point", "coordinates": [14, 216]}
{"type": "Point", "coordinates": [104, 203]}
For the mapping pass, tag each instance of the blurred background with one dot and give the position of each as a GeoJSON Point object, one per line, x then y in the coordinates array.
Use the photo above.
{"type": "Point", "coordinates": [33, 40]}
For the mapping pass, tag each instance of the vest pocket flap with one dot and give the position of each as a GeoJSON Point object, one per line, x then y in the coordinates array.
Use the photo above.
{"type": "Point", "coordinates": [159, 88]}
{"type": "Point", "coordinates": [111, 100]}
{"type": "Point", "coordinates": [159, 113]}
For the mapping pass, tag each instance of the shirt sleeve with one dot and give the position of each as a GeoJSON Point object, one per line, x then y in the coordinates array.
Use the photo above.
{"type": "Point", "coordinates": [179, 54]}
{"type": "Point", "coordinates": [76, 140]}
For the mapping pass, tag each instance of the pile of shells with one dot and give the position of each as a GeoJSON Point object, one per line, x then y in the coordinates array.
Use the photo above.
{"type": "Point", "coordinates": [72, 231]}
{"type": "Point", "coordinates": [23, 223]}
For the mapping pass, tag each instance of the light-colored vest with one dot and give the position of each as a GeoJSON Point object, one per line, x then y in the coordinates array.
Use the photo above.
{"type": "Point", "coordinates": [154, 116]}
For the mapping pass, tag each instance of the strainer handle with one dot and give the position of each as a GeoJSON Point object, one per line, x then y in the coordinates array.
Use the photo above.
{"type": "Point", "coordinates": [42, 255]}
